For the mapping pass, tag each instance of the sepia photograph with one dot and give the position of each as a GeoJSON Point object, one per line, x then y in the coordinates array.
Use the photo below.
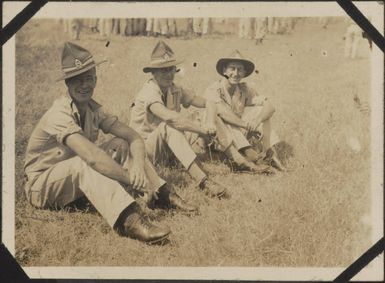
{"type": "Point", "coordinates": [193, 140]}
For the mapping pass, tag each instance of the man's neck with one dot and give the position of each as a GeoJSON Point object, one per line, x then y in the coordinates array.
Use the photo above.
{"type": "Point", "coordinates": [230, 87]}
{"type": "Point", "coordinates": [164, 90]}
{"type": "Point", "coordinates": [82, 107]}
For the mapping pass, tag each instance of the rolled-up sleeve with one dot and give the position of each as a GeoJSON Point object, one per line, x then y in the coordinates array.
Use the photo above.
{"type": "Point", "coordinates": [187, 97]}
{"type": "Point", "coordinates": [60, 124]}
{"type": "Point", "coordinates": [150, 98]}
{"type": "Point", "coordinates": [106, 120]}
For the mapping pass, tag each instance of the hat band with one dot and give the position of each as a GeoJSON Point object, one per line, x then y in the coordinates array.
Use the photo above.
{"type": "Point", "coordinates": [160, 61]}
{"type": "Point", "coordinates": [80, 66]}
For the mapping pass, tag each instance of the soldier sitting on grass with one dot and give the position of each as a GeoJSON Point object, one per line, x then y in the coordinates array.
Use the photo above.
{"type": "Point", "coordinates": [63, 164]}
{"type": "Point", "coordinates": [243, 114]}
{"type": "Point", "coordinates": [156, 116]}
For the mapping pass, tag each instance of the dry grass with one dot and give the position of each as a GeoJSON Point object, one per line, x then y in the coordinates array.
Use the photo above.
{"type": "Point", "coordinates": [308, 217]}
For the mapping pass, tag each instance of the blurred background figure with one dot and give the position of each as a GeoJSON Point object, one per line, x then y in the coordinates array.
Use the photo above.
{"type": "Point", "coordinates": [352, 37]}
{"type": "Point", "coordinates": [149, 26]}
{"type": "Point", "coordinates": [287, 25]}
{"type": "Point", "coordinates": [123, 23]}
{"type": "Point", "coordinates": [244, 28]}
{"type": "Point", "coordinates": [138, 26]}
{"type": "Point", "coordinates": [160, 27]}
{"type": "Point", "coordinates": [105, 27]}
{"type": "Point", "coordinates": [66, 25]}
{"type": "Point", "coordinates": [324, 21]}
{"type": "Point", "coordinates": [206, 26]}
{"type": "Point", "coordinates": [115, 26]}
{"type": "Point", "coordinates": [197, 26]}
{"type": "Point", "coordinates": [260, 27]}
{"type": "Point", "coordinates": [190, 27]}
{"type": "Point", "coordinates": [172, 27]}
{"type": "Point", "coordinates": [129, 27]}
{"type": "Point", "coordinates": [73, 26]}
{"type": "Point", "coordinates": [93, 24]}
{"type": "Point", "coordinates": [200, 26]}
{"type": "Point", "coordinates": [272, 25]}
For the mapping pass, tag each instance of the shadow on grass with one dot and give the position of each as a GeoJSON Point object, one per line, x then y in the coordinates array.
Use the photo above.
{"type": "Point", "coordinates": [284, 150]}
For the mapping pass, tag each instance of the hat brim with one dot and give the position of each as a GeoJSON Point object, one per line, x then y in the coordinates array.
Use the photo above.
{"type": "Point", "coordinates": [151, 67]}
{"type": "Point", "coordinates": [249, 66]}
{"type": "Point", "coordinates": [80, 71]}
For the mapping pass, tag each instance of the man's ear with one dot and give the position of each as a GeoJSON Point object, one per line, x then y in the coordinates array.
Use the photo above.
{"type": "Point", "coordinates": [223, 73]}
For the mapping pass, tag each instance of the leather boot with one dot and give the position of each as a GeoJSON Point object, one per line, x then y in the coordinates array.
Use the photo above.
{"type": "Point", "coordinates": [272, 158]}
{"type": "Point", "coordinates": [168, 199]}
{"type": "Point", "coordinates": [247, 166]}
{"type": "Point", "coordinates": [134, 224]}
{"type": "Point", "coordinates": [212, 188]}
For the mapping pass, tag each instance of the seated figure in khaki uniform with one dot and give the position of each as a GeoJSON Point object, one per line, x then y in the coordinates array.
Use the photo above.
{"type": "Point", "coordinates": [63, 164]}
{"type": "Point", "coordinates": [156, 116]}
{"type": "Point", "coordinates": [243, 113]}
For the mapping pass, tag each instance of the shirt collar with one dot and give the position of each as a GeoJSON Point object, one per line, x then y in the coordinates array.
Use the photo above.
{"type": "Point", "coordinates": [226, 86]}
{"type": "Point", "coordinates": [155, 85]}
{"type": "Point", "coordinates": [92, 104]}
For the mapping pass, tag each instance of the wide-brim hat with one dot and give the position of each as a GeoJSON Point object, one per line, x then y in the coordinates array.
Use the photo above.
{"type": "Point", "coordinates": [235, 56]}
{"type": "Point", "coordinates": [162, 57]}
{"type": "Point", "coordinates": [76, 60]}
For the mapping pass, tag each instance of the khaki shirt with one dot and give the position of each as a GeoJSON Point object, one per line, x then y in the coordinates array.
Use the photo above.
{"type": "Point", "coordinates": [46, 145]}
{"type": "Point", "coordinates": [142, 120]}
{"type": "Point", "coordinates": [244, 95]}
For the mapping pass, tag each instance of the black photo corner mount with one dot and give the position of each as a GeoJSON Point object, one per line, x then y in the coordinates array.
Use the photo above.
{"type": "Point", "coordinates": [11, 271]}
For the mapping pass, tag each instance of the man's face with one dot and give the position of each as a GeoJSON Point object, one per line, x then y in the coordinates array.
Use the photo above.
{"type": "Point", "coordinates": [164, 76]}
{"type": "Point", "coordinates": [81, 87]}
{"type": "Point", "coordinates": [235, 72]}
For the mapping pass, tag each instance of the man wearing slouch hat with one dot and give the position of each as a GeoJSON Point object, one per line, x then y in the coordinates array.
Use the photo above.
{"type": "Point", "coordinates": [156, 115]}
{"type": "Point", "coordinates": [244, 114]}
{"type": "Point", "coordinates": [63, 164]}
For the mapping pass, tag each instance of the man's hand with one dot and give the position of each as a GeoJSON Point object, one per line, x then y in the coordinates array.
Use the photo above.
{"type": "Point", "coordinates": [252, 125]}
{"type": "Point", "coordinates": [118, 149]}
{"type": "Point", "coordinates": [138, 179]}
{"type": "Point", "coordinates": [210, 129]}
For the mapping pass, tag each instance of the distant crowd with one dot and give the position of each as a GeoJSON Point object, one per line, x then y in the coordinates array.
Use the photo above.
{"type": "Point", "coordinates": [250, 28]}
{"type": "Point", "coordinates": [247, 28]}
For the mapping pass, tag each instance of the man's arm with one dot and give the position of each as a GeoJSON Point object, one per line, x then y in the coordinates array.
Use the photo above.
{"type": "Point", "coordinates": [96, 158]}
{"type": "Point", "coordinates": [137, 149]}
{"type": "Point", "coordinates": [199, 101]}
{"type": "Point", "coordinates": [135, 141]}
{"type": "Point", "coordinates": [230, 117]}
{"type": "Point", "coordinates": [175, 119]}
{"type": "Point", "coordinates": [227, 115]}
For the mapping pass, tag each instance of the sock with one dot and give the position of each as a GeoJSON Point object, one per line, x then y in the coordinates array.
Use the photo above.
{"type": "Point", "coordinates": [250, 154]}
{"type": "Point", "coordinates": [196, 172]}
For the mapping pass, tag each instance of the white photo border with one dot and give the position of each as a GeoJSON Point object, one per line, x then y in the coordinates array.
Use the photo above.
{"type": "Point", "coordinates": [373, 271]}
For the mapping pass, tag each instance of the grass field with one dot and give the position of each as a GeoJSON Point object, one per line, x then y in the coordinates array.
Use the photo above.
{"type": "Point", "coordinates": [312, 216]}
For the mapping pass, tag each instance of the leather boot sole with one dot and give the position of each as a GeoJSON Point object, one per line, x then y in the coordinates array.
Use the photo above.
{"type": "Point", "coordinates": [160, 241]}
